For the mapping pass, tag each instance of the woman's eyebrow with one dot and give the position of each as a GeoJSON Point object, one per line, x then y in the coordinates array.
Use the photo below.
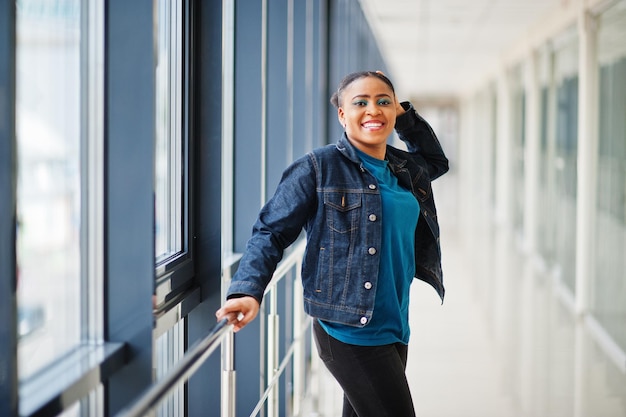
{"type": "Point", "coordinates": [368, 96]}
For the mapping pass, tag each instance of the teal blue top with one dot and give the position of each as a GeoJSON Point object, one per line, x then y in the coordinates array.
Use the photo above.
{"type": "Point", "coordinates": [400, 212]}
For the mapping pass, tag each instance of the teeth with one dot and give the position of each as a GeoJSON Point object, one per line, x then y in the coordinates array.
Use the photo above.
{"type": "Point", "coordinates": [372, 124]}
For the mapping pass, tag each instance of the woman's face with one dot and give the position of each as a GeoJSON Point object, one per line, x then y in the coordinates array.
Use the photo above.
{"type": "Point", "coordinates": [367, 111]}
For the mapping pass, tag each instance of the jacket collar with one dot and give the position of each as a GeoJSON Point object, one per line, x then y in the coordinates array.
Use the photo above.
{"type": "Point", "coordinates": [347, 149]}
{"type": "Point", "coordinates": [396, 163]}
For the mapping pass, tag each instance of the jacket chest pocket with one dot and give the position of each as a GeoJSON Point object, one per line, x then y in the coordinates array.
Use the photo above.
{"type": "Point", "coordinates": [342, 210]}
{"type": "Point", "coordinates": [421, 185]}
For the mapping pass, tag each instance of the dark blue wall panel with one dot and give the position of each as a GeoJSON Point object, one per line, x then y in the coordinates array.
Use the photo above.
{"type": "Point", "coordinates": [203, 389]}
{"type": "Point", "coordinates": [8, 314]}
{"type": "Point", "coordinates": [279, 105]}
{"type": "Point", "coordinates": [129, 172]}
{"type": "Point", "coordinates": [248, 117]}
{"type": "Point", "coordinates": [301, 119]}
{"type": "Point", "coordinates": [247, 182]}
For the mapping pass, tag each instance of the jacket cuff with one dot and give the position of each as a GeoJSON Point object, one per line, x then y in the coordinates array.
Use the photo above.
{"type": "Point", "coordinates": [239, 289]}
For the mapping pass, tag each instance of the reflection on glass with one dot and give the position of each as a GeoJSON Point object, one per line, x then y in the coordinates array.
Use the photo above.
{"type": "Point", "coordinates": [609, 283]}
{"type": "Point", "coordinates": [169, 151]}
{"type": "Point", "coordinates": [49, 196]}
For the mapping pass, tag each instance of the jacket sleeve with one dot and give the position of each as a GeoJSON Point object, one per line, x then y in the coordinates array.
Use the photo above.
{"type": "Point", "coordinates": [278, 225]}
{"type": "Point", "coordinates": [420, 139]}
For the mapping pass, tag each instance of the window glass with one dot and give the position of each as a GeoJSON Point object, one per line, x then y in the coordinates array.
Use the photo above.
{"type": "Point", "coordinates": [48, 80]}
{"type": "Point", "coordinates": [169, 144]}
{"type": "Point", "coordinates": [609, 285]}
{"type": "Point", "coordinates": [519, 126]}
{"type": "Point", "coordinates": [564, 163]}
{"type": "Point", "coordinates": [493, 139]}
{"type": "Point", "coordinates": [170, 173]}
{"type": "Point", "coordinates": [169, 350]}
{"type": "Point", "coordinates": [545, 225]}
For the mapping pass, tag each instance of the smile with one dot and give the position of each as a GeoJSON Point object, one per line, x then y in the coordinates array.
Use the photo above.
{"type": "Point", "coordinates": [372, 125]}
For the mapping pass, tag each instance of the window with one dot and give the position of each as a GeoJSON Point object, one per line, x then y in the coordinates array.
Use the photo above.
{"type": "Point", "coordinates": [169, 349]}
{"type": "Point", "coordinates": [59, 101]}
{"type": "Point", "coordinates": [172, 196]}
{"type": "Point", "coordinates": [518, 106]}
{"type": "Point", "coordinates": [609, 285]}
{"type": "Point", "coordinates": [564, 164]}
{"type": "Point", "coordinates": [50, 196]}
{"type": "Point", "coordinates": [169, 228]}
{"type": "Point", "coordinates": [171, 192]}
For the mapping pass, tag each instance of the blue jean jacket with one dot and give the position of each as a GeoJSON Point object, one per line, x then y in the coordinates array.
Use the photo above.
{"type": "Point", "coordinates": [338, 203]}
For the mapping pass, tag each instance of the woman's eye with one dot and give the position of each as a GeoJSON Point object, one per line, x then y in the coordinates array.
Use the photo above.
{"type": "Point", "coordinates": [360, 103]}
{"type": "Point", "coordinates": [384, 102]}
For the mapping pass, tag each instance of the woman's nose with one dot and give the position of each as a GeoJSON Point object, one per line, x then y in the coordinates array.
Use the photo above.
{"type": "Point", "coordinates": [373, 109]}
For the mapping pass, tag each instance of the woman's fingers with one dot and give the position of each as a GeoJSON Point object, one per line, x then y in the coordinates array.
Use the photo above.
{"type": "Point", "coordinates": [239, 311]}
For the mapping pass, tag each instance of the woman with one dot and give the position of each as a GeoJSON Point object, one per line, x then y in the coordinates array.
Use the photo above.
{"type": "Point", "coordinates": [371, 226]}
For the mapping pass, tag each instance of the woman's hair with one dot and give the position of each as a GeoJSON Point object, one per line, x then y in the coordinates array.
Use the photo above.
{"type": "Point", "coordinates": [352, 77]}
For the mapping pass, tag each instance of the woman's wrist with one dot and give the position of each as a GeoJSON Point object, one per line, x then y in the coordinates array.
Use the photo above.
{"type": "Point", "coordinates": [404, 120]}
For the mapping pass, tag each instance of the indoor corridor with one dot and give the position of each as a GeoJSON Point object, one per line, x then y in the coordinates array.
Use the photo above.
{"type": "Point", "coordinates": [140, 139]}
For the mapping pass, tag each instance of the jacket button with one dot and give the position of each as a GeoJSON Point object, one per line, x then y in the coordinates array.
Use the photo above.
{"type": "Point", "coordinates": [372, 186]}
{"type": "Point", "coordinates": [371, 251]}
{"type": "Point", "coordinates": [372, 217]}
{"type": "Point", "coordinates": [368, 285]}
{"type": "Point", "coordinates": [363, 320]}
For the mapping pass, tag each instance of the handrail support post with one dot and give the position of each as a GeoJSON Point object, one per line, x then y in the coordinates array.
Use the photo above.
{"type": "Point", "coordinates": [228, 377]}
{"type": "Point", "coordinates": [273, 322]}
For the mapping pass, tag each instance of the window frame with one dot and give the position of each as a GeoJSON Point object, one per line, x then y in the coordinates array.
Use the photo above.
{"type": "Point", "coordinates": [169, 101]}
{"type": "Point", "coordinates": [174, 284]}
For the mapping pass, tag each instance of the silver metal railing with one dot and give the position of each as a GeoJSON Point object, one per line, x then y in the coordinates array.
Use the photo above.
{"type": "Point", "coordinates": [222, 336]}
{"type": "Point", "coordinates": [187, 366]}
{"type": "Point", "coordinates": [273, 367]}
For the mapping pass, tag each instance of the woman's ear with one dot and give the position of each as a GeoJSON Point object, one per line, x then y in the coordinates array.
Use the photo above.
{"type": "Point", "coordinates": [341, 117]}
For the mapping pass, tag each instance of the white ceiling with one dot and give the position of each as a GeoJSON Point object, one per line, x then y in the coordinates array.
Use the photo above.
{"type": "Point", "coordinates": [439, 48]}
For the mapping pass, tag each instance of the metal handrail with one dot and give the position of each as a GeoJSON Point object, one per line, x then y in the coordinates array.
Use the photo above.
{"type": "Point", "coordinates": [279, 371]}
{"type": "Point", "coordinates": [191, 361]}
{"type": "Point", "coordinates": [271, 368]}
{"type": "Point", "coordinates": [218, 336]}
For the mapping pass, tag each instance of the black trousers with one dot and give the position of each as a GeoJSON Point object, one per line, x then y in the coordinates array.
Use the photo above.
{"type": "Point", "coordinates": [373, 378]}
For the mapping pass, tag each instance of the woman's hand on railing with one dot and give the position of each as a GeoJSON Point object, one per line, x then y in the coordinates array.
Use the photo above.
{"type": "Point", "coordinates": [239, 311]}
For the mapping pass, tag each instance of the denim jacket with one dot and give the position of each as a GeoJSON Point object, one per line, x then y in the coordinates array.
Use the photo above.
{"type": "Point", "coordinates": [337, 201]}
